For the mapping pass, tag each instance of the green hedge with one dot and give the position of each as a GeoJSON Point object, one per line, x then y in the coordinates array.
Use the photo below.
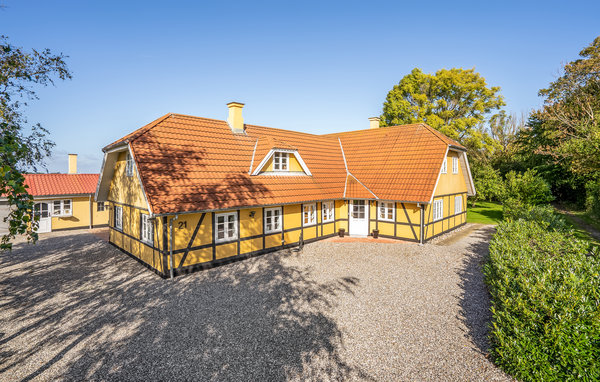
{"type": "Point", "coordinates": [545, 293]}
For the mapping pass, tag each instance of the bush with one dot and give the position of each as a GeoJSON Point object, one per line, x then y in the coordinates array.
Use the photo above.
{"type": "Point", "coordinates": [545, 303]}
{"type": "Point", "coordinates": [592, 198]}
{"type": "Point", "coordinates": [527, 187]}
{"type": "Point", "coordinates": [488, 183]}
{"type": "Point", "coordinates": [545, 215]}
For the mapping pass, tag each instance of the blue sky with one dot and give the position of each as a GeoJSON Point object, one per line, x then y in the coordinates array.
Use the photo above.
{"type": "Point", "coordinates": [310, 66]}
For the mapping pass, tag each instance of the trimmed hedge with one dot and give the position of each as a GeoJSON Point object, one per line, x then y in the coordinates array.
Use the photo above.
{"type": "Point", "coordinates": [545, 293]}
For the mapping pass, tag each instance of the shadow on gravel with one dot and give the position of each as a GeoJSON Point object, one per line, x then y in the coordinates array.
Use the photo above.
{"type": "Point", "coordinates": [76, 308]}
{"type": "Point", "coordinates": [475, 299]}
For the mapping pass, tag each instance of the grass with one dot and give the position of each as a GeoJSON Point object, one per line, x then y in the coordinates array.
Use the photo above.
{"type": "Point", "coordinates": [581, 232]}
{"type": "Point", "coordinates": [485, 213]}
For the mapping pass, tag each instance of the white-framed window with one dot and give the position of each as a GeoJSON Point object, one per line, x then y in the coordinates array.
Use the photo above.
{"type": "Point", "coordinates": [147, 229]}
{"type": "Point", "coordinates": [438, 209]}
{"type": "Point", "coordinates": [454, 165]}
{"type": "Point", "coordinates": [328, 211]}
{"type": "Point", "coordinates": [62, 208]}
{"type": "Point", "coordinates": [226, 227]}
{"type": "Point", "coordinates": [458, 204]}
{"type": "Point", "coordinates": [119, 218]}
{"type": "Point", "coordinates": [273, 220]}
{"type": "Point", "coordinates": [100, 206]}
{"type": "Point", "coordinates": [280, 161]}
{"type": "Point", "coordinates": [129, 165]}
{"type": "Point", "coordinates": [386, 211]}
{"type": "Point", "coordinates": [309, 216]}
{"type": "Point", "coordinates": [445, 166]}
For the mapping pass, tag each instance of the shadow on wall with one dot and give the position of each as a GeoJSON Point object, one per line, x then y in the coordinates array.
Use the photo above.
{"type": "Point", "coordinates": [475, 300]}
{"type": "Point", "coordinates": [82, 310]}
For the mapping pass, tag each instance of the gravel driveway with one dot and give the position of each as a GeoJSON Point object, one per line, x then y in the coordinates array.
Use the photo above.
{"type": "Point", "coordinates": [74, 308]}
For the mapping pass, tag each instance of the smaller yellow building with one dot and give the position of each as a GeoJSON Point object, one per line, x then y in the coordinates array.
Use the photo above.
{"type": "Point", "coordinates": [66, 201]}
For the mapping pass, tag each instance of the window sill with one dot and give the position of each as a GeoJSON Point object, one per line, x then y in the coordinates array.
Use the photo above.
{"type": "Point", "coordinates": [328, 221]}
{"type": "Point", "coordinates": [271, 232]}
{"type": "Point", "coordinates": [226, 241]}
{"type": "Point", "coordinates": [386, 220]}
{"type": "Point", "coordinates": [309, 224]}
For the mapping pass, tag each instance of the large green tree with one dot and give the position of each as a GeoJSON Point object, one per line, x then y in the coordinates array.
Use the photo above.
{"type": "Point", "coordinates": [563, 138]}
{"type": "Point", "coordinates": [454, 101]}
{"type": "Point", "coordinates": [22, 146]}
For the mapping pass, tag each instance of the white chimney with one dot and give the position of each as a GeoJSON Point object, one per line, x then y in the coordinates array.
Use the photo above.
{"type": "Point", "coordinates": [235, 119]}
{"type": "Point", "coordinates": [374, 123]}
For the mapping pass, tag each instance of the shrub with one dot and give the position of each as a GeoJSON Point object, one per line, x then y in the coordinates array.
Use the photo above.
{"type": "Point", "coordinates": [592, 198]}
{"type": "Point", "coordinates": [545, 303]}
{"type": "Point", "coordinates": [527, 187]}
{"type": "Point", "coordinates": [545, 215]}
{"type": "Point", "coordinates": [488, 183]}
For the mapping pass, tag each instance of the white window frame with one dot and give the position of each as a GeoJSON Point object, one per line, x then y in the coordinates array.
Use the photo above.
{"type": "Point", "coordinates": [386, 207]}
{"type": "Point", "coordinates": [119, 218]}
{"type": "Point", "coordinates": [455, 165]}
{"type": "Point", "coordinates": [276, 216]}
{"type": "Point", "coordinates": [445, 166]}
{"type": "Point", "coordinates": [328, 211]}
{"type": "Point", "coordinates": [63, 211]}
{"type": "Point", "coordinates": [310, 211]}
{"type": "Point", "coordinates": [438, 209]}
{"type": "Point", "coordinates": [229, 235]}
{"type": "Point", "coordinates": [280, 160]}
{"type": "Point", "coordinates": [458, 204]}
{"type": "Point", "coordinates": [129, 165]}
{"type": "Point", "coordinates": [147, 230]}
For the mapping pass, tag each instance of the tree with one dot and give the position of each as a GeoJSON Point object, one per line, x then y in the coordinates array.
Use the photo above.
{"type": "Point", "coordinates": [563, 137]}
{"type": "Point", "coordinates": [455, 102]}
{"type": "Point", "coordinates": [22, 147]}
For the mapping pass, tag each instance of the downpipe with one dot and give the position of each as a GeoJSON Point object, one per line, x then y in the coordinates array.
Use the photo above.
{"type": "Point", "coordinates": [171, 245]}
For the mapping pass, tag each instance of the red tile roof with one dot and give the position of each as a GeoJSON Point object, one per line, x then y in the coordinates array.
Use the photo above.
{"type": "Point", "coordinates": [193, 164]}
{"type": "Point", "coordinates": [61, 184]}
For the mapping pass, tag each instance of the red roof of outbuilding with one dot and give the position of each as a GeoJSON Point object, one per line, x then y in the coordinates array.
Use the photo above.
{"type": "Point", "coordinates": [61, 184]}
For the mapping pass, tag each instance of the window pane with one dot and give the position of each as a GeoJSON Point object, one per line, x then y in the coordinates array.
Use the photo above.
{"type": "Point", "coordinates": [220, 219]}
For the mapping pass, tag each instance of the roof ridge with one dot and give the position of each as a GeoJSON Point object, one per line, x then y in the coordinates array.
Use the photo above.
{"type": "Point", "coordinates": [139, 132]}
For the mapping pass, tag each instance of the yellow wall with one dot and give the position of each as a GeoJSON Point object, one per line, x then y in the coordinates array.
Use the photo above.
{"type": "Point", "coordinates": [126, 189]}
{"type": "Point", "coordinates": [450, 183]}
{"type": "Point", "coordinates": [80, 217]}
{"type": "Point", "coordinates": [341, 212]}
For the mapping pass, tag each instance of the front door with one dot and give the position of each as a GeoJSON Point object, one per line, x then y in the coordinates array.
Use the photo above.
{"type": "Point", "coordinates": [359, 218]}
{"type": "Point", "coordinates": [43, 211]}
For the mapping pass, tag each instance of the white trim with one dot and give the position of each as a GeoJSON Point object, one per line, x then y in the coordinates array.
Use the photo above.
{"type": "Point", "coordinates": [62, 213]}
{"type": "Point", "coordinates": [438, 177]}
{"type": "Point", "coordinates": [118, 227]}
{"type": "Point", "coordinates": [343, 155]}
{"type": "Point", "coordinates": [348, 173]}
{"type": "Point", "coordinates": [436, 203]}
{"type": "Point", "coordinates": [135, 169]}
{"type": "Point", "coordinates": [281, 159]}
{"type": "Point", "coordinates": [323, 209]}
{"type": "Point", "coordinates": [274, 230]}
{"type": "Point", "coordinates": [100, 177]}
{"type": "Point", "coordinates": [367, 188]}
{"type": "Point", "coordinates": [457, 211]}
{"type": "Point", "coordinates": [472, 185]}
{"type": "Point", "coordinates": [253, 153]}
{"type": "Point", "coordinates": [455, 165]}
{"type": "Point", "coordinates": [314, 220]}
{"type": "Point", "coordinates": [263, 162]}
{"type": "Point", "coordinates": [144, 231]}
{"type": "Point", "coordinates": [444, 169]}
{"type": "Point", "coordinates": [235, 227]}
{"type": "Point", "coordinates": [385, 219]}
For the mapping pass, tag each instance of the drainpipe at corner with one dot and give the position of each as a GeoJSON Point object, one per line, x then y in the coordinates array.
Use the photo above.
{"type": "Point", "coordinates": [171, 246]}
{"type": "Point", "coordinates": [421, 239]}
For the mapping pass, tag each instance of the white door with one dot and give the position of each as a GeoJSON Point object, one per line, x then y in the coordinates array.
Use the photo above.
{"type": "Point", "coordinates": [43, 211]}
{"type": "Point", "coordinates": [359, 218]}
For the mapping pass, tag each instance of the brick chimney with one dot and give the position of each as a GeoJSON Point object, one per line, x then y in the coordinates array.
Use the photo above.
{"type": "Point", "coordinates": [235, 119]}
{"type": "Point", "coordinates": [374, 123]}
{"type": "Point", "coordinates": [72, 163]}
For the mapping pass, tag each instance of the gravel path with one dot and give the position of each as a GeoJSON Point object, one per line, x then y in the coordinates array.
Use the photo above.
{"type": "Point", "coordinates": [74, 308]}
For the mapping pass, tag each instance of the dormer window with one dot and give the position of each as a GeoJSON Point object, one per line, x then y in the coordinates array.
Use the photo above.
{"type": "Point", "coordinates": [280, 161]}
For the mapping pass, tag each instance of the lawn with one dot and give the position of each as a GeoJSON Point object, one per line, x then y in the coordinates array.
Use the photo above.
{"type": "Point", "coordinates": [485, 213]}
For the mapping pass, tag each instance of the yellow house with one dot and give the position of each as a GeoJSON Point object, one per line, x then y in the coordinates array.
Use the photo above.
{"type": "Point", "coordinates": [66, 201]}
{"type": "Point", "coordinates": [186, 193]}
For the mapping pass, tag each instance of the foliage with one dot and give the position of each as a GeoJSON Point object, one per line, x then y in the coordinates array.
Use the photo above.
{"type": "Point", "coordinates": [562, 140]}
{"type": "Point", "coordinates": [592, 202]}
{"type": "Point", "coordinates": [488, 183]}
{"type": "Point", "coordinates": [545, 296]}
{"type": "Point", "coordinates": [528, 188]}
{"type": "Point", "coordinates": [22, 147]}
{"type": "Point", "coordinates": [454, 101]}
{"type": "Point", "coordinates": [544, 215]}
